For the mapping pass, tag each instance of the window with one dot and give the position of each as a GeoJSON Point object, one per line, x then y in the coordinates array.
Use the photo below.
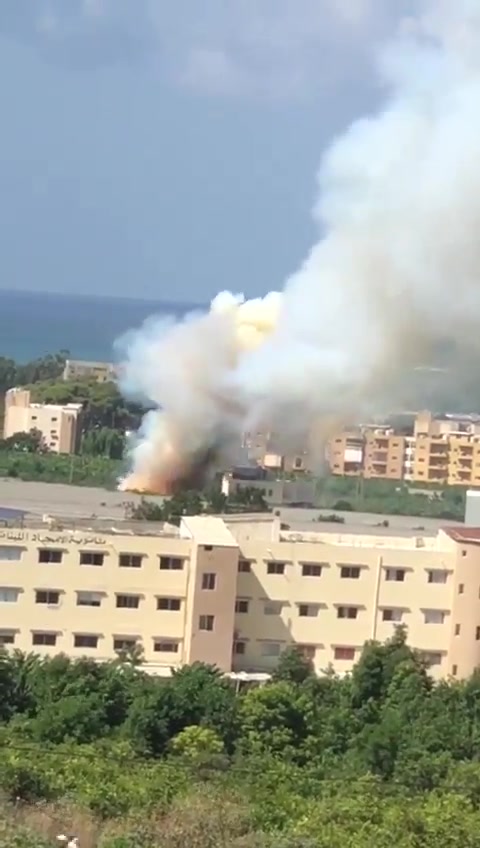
{"type": "Point", "coordinates": [454, 670]}
{"type": "Point", "coordinates": [49, 555]}
{"type": "Point", "coordinates": [307, 651]}
{"type": "Point", "coordinates": [244, 566]}
{"type": "Point", "coordinates": [457, 630]}
{"type": "Point", "coordinates": [433, 616]}
{"type": "Point", "coordinates": [477, 634]}
{"type": "Point", "coordinates": [89, 599]}
{"type": "Point", "coordinates": [53, 419]}
{"type": "Point", "coordinates": [47, 596]}
{"type": "Point", "coordinates": [165, 646]}
{"type": "Point", "coordinates": [7, 637]}
{"type": "Point", "coordinates": [9, 596]}
{"type": "Point", "coordinates": [311, 570]}
{"type": "Point", "coordinates": [437, 575]}
{"type": "Point", "coordinates": [272, 608]}
{"type": "Point", "coordinates": [128, 601]}
{"type": "Point", "coordinates": [208, 547]}
{"type": "Point", "coordinates": [392, 614]}
{"type": "Point", "coordinates": [241, 605]}
{"type": "Point", "coordinates": [271, 649]}
{"type": "Point", "coordinates": [308, 610]}
{"type": "Point", "coordinates": [344, 653]}
{"type": "Point", "coordinates": [432, 658]}
{"type": "Point", "coordinates": [208, 581]}
{"type": "Point", "coordinates": [395, 574]}
{"type": "Point", "coordinates": [206, 622]}
{"type": "Point", "coordinates": [464, 553]}
{"type": "Point", "coordinates": [170, 604]}
{"type": "Point", "coordinates": [350, 572]}
{"type": "Point", "coordinates": [171, 563]}
{"type": "Point", "coordinates": [120, 644]}
{"type": "Point", "coordinates": [461, 588]}
{"type": "Point", "coordinates": [85, 640]}
{"type": "Point", "coordinates": [275, 568]}
{"type": "Point", "coordinates": [130, 560]}
{"type": "Point", "coordinates": [49, 639]}
{"type": "Point", "coordinates": [239, 648]}
{"type": "Point", "coordinates": [91, 558]}
{"type": "Point", "coordinates": [347, 612]}
{"type": "Point", "coordinates": [10, 553]}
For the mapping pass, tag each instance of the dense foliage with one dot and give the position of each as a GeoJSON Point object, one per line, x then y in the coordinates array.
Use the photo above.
{"type": "Point", "coordinates": [48, 367]}
{"type": "Point", "coordinates": [391, 497]}
{"type": "Point", "coordinates": [104, 405]}
{"type": "Point", "coordinates": [195, 503]}
{"type": "Point", "coordinates": [382, 757]}
{"type": "Point", "coordinates": [60, 468]}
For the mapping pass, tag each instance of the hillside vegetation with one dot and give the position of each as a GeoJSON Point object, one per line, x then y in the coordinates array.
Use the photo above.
{"type": "Point", "coordinates": [384, 757]}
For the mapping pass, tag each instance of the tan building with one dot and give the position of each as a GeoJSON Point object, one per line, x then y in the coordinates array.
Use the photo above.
{"type": "Point", "coordinates": [376, 453]}
{"type": "Point", "coordinates": [447, 450]}
{"type": "Point", "coordinates": [275, 492]}
{"type": "Point", "coordinates": [60, 426]}
{"type": "Point", "coordinates": [79, 369]}
{"type": "Point", "coordinates": [237, 591]}
{"type": "Point", "coordinates": [345, 454]}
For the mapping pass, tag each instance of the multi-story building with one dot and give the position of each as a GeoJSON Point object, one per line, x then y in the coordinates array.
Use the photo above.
{"type": "Point", "coordinates": [236, 591]}
{"type": "Point", "coordinates": [79, 369]}
{"type": "Point", "coordinates": [59, 425]}
{"type": "Point", "coordinates": [345, 454]}
{"type": "Point", "coordinates": [447, 450]}
{"type": "Point", "coordinates": [442, 450]}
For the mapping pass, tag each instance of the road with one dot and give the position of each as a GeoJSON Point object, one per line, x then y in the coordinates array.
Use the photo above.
{"type": "Point", "coordinates": [60, 499]}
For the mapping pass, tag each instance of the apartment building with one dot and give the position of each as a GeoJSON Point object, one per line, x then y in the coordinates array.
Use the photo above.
{"type": "Point", "coordinates": [345, 454]}
{"type": "Point", "coordinates": [79, 369]}
{"type": "Point", "coordinates": [60, 425]}
{"type": "Point", "coordinates": [374, 453]}
{"type": "Point", "coordinates": [447, 449]}
{"type": "Point", "coordinates": [236, 591]}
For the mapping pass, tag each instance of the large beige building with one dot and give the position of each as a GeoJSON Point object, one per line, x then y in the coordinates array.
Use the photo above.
{"type": "Point", "coordinates": [236, 591]}
{"type": "Point", "coordinates": [60, 426]}
{"type": "Point", "coordinates": [80, 369]}
{"type": "Point", "coordinates": [442, 450]}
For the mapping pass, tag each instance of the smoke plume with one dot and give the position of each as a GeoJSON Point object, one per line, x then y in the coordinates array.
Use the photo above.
{"type": "Point", "coordinates": [393, 282]}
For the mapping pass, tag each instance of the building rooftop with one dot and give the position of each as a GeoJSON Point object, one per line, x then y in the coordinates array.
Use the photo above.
{"type": "Point", "coordinates": [464, 534]}
{"type": "Point", "coordinates": [207, 530]}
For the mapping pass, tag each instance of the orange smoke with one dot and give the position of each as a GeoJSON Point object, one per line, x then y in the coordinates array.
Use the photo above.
{"type": "Point", "coordinates": [147, 485]}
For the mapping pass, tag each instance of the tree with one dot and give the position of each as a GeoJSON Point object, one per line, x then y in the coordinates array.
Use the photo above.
{"type": "Point", "coordinates": [31, 442]}
{"type": "Point", "coordinates": [196, 743]}
{"type": "Point", "coordinates": [276, 719]}
{"type": "Point", "coordinates": [293, 667]}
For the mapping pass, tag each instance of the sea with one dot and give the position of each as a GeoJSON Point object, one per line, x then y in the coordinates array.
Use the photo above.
{"type": "Point", "coordinates": [33, 324]}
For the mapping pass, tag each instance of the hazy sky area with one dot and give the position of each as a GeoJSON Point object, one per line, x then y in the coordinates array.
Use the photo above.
{"type": "Point", "coordinates": [168, 148]}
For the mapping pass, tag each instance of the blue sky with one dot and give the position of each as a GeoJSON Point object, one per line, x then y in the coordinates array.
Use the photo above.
{"type": "Point", "coordinates": [168, 149]}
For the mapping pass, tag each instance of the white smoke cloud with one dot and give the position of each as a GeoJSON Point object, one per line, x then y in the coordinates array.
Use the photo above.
{"type": "Point", "coordinates": [397, 271]}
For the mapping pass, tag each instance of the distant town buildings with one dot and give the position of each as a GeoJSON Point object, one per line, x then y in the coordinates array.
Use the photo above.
{"type": "Point", "coordinates": [60, 426]}
{"type": "Point", "coordinates": [235, 591]}
{"type": "Point", "coordinates": [441, 449]}
{"type": "Point", "coordinates": [78, 369]}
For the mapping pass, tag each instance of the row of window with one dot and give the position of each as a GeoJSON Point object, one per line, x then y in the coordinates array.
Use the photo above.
{"type": "Point", "coordinates": [395, 614]}
{"type": "Point", "coordinates": [162, 645]}
{"type": "Point", "coordinates": [90, 640]}
{"type": "Point", "coordinates": [51, 597]}
{"type": "Point", "coordinates": [345, 653]}
{"type": "Point", "coordinates": [347, 572]}
{"type": "Point", "coordinates": [173, 563]}
{"type": "Point", "coordinates": [55, 555]}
